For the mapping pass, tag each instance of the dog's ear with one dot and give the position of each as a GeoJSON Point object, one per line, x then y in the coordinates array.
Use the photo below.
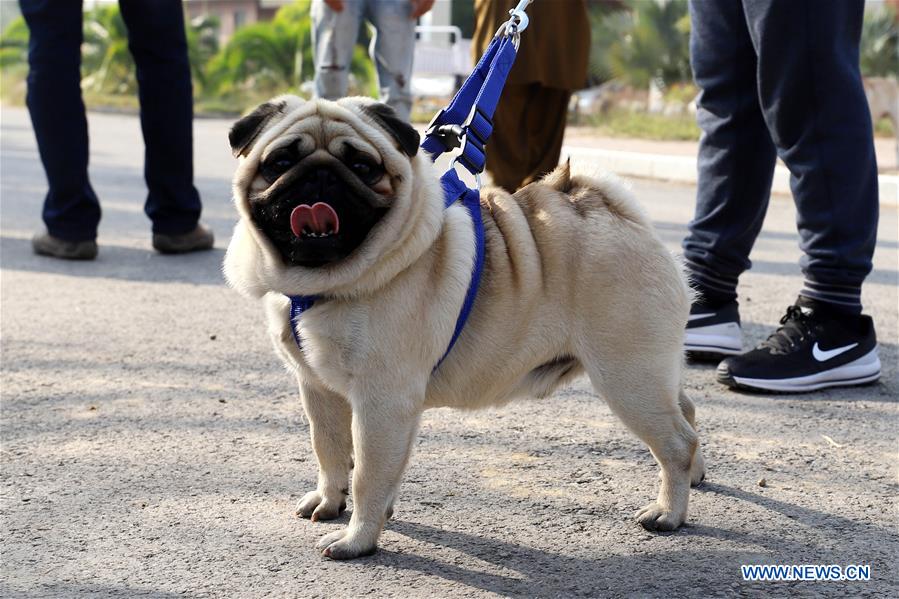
{"type": "Point", "coordinates": [404, 133]}
{"type": "Point", "coordinates": [245, 131]}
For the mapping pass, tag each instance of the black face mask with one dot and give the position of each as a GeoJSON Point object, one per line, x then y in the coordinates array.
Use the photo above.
{"type": "Point", "coordinates": [316, 214]}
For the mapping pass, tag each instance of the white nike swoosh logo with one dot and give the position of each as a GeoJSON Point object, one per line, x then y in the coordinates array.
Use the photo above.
{"type": "Point", "coordinates": [698, 316]}
{"type": "Point", "coordinates": [824, 355]}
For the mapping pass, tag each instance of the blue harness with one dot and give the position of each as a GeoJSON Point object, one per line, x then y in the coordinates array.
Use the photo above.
{"type": "Point", "coordinates": [465, 123]}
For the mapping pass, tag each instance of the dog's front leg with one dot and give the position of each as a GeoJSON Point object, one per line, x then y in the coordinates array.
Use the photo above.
{"type": "Point", "coordinates": [329, 417]}
{"type": "Point", "coordinates": [383, 431]}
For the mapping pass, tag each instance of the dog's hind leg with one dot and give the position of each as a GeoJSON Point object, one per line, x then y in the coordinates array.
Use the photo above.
{"type": "Point", "coordinates": [330, 419]}
{"type": "Point", "coordinates": [644, 392]}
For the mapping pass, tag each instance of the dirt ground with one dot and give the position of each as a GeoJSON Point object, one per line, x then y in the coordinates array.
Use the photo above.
{"type": "Point", "coordinates": [152, 444]}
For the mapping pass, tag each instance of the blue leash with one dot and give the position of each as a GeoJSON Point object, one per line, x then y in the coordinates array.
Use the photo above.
{"type": "Point", "coordinates": [465, 123]}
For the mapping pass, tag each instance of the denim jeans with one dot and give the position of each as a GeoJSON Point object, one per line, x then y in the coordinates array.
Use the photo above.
{"type": "Point", "coordinates": [157, 41]}
{"type": "Point", "coordinates": [781, 78]}
{"type": "Point", "coordinates": [334, 36]}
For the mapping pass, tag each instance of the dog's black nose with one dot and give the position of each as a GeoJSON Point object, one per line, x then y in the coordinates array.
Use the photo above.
{"type": "Point", "coordinates": [320, 184]}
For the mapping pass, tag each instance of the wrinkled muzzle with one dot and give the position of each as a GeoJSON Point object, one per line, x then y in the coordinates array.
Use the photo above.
{"type": "Point", "coordinates": [318, 214]}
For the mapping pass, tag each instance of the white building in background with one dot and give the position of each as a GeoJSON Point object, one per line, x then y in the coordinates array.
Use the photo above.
{"type": "Point", "coordinates": [233, 14]}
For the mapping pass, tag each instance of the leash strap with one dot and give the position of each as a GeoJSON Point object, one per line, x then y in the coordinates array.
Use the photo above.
{"type": "Point", "coordinates": [467, 121]}
{"type": "Point", "coordinates": [455, 190]}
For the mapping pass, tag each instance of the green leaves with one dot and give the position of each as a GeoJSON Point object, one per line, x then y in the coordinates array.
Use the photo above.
{"type": "Point", "coordinates": [260, 60]}
{"type": "Point", "coordinates": [880, 44]}
{"type": "Point", "coordinates": [14, 44]}
{"type": "Point", "coordinates": [651, 43]}
{"type": "Point", "coordinates": [106, 63]}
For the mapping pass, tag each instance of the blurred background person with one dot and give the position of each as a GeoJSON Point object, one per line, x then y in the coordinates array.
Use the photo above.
{"type": "Point", "coordinates": [335, 29]}
{"type": "Point", "coordinates": [529, 123]}
{"type": "Point", "coordinates": [156, 40]}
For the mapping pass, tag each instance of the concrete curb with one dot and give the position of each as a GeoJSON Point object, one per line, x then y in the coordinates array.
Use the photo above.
{"type": "Point", "coordinates": [682, 169]}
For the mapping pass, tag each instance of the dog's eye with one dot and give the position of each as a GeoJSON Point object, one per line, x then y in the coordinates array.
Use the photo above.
{"type": "Point", "coordinates": [277, 164]}
{"type": "Point", "coordinates": [368, 172]}
{"type": "Point", "coordinates": [361, 168]}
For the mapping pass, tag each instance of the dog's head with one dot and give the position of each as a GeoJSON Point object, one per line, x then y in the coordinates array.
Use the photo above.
{"type": "Point", "coordinates": [325, 188]}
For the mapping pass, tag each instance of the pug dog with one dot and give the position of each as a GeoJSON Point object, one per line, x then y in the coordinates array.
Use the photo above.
{"type": "Point", "coordinates": [336, 202]}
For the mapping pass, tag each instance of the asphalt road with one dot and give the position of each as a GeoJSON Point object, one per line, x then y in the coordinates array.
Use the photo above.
{"type": "Point", "coordinates": [152, 444]}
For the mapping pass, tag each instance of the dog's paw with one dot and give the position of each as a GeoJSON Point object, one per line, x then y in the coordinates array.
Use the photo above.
{"type": "Point", "coordinates": [344, 544]}
{"type": "Point", "coordinates": [697, 470]}
{"type": "Point", "coordinates": [655, 517]}
{"type": "Point", "coordinates": [317, 507]}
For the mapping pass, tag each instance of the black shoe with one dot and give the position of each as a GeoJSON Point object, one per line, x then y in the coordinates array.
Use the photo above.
{"type": "Point", "coordinates": [199, 239]}
{"type": "Point", "coordinates": [713, 333]}
{"type": "Point", "coordinates": [45, 244]}
{"type": "Point", "coordinates": [814, 349]}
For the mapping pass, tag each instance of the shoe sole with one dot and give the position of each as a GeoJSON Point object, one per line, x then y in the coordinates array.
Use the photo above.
{"type": "Point", "coordinates": [863, 371]}
{"type": "Point", "coordinates": [713, 342]}
{"type": "Point", "coordinates": [83, 256]}
{"type": "Point", "coordinates": [171, 252]}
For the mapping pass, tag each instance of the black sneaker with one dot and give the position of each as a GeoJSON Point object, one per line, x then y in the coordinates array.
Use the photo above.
{"type": "Point", "coordinates": [713, 333]}
{"type": "Point", "coordinates": [813, 349]}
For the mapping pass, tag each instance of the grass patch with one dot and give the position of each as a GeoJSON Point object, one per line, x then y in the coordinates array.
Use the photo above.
{"type": "Point", "coordinates": [884, 128]}
{"type": "Point", "coordinates": [642, 125]}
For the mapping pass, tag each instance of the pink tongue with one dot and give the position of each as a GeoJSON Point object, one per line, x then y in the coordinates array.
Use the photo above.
{"type": "Point", "coordinates": [320, 219]}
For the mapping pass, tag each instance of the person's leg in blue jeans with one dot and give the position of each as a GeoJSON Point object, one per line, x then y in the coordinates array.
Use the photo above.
{"type": "Point", "coordinates": [334, 35]}
{"type": "Point", "coordinates": [71, 210]}
{"type": "Point", "coordinates": [393, 50]}
{"type": "Point", "coordinates": [157, 40]}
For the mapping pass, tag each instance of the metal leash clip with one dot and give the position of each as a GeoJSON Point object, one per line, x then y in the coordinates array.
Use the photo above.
{"type": "Point", "coordinates": [518, 22]}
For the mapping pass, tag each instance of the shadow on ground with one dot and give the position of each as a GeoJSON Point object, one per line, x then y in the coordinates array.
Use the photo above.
{"type": "Point", "coordinates": [118, 262]}
{"type": "Point", "coordinates": [537, 573]}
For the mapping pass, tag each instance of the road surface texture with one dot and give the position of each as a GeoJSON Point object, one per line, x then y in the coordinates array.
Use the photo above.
{"type": "Point", "coordinates": [153, 445]}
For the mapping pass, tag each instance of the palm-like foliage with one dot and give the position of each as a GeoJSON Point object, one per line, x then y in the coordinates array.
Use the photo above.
{"type": "Point", "coordinates": [106, 63]}
{"type": "Point", "coordinates": [202, 45]}
{"type": "Point", "coordinates": [607, 28]}
{"type": "Point", "coordinates": [272, 57]}
{"type": "Point", "coordinates": [654, 45]}
{"type": "Point", "coordinates": [261, 56]}
{"type": "Point", "coordinates": [14, 44]}
{"type": "Point", "coordinates": [261, 59]}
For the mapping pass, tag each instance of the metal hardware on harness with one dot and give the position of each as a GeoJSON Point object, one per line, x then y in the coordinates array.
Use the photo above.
{"type": "Point", "coordinates": [477, 176]}
{"type": "Point", "coordinates": [518, 22]}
